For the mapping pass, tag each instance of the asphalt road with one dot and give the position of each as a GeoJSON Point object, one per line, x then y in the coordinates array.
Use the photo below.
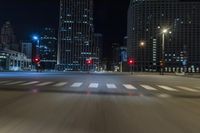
{"type": "Point", "coordinates": [98, 103]}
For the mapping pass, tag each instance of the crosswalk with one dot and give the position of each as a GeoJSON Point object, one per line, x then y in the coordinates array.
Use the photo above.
{"type": "Point", "coordinates": [148, 87]}
{"type": "Point", "coordinates": [30, 83]}
{"type": "Point", "coordinates": [44, 84]}
{"type": "Point", "coordinates": [128, 87]}
{"type": "Point", "coordinates": [94, 85]}
{"type": "Point", "coordinates": [76, 85]}
{"type": "Point", "coordinates": [111, 86]}
{"type": "Point", "coordinates": [167, 88]}
{"type": "Point", "coordinates": [60, 84]}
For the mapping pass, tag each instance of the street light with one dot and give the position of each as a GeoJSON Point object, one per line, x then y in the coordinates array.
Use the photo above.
{"type": "Point", "coordinates": [162, 62]}
{"type": "Point", "coordinates": [142, 45]}
{"type": "Point", "coordinates": [37, 56]}
{"type": "Point", "coordinates": [36, 38]}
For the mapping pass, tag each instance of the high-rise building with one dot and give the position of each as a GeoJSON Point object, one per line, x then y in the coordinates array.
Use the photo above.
{"type": "Point", "coordinates": [146, 21]}
{"type": "Point", "coordinates": [115, 56]}
{"type": "Point", "coordinates": [75, 43]}
{"type": "Point", "coordinates": [8, 39]}
{"type": "Point", "coordinates": [26, 48]}
{"type": "Point", "coordinates": [125, 41]}
{"type": "Point", "coordinates": [98, 48]}
{"type": "Point", "coordinates": [48, 48]}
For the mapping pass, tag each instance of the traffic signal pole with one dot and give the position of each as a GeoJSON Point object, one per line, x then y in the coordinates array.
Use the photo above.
{"type": "Point", "coordinates": [131, 63]}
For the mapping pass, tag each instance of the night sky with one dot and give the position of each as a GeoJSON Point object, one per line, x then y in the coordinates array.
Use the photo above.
{"type": "Point", "coordinates": [29, 16]}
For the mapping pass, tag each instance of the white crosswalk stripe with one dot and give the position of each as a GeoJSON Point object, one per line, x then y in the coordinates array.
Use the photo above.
{"type": "Point", "coordinates": [94, 85]}
{"type": "Point", "coordinates": [44, 84]}
{"type": "Point", "coordinates": [129, 87]}
{"type": "Point", "coordinates": [30, 83]}
{"type": "Point", "coordinates": [111, 86]}
{"type": "Point", "coordinates": [60, 84]}
{"type": "Point", "coordinates": [167, 88]}
{"type": "Point", "coordinates": [147, 87]}
{"type": "Point", "coordinates": [76, 85]}
{"type": "Point", "coordinates": [16, 82]}
{"type": "Point", "coordinates": [187, 89]}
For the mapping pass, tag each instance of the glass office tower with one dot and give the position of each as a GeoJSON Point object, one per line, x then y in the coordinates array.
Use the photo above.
{"type": "Point", "coordinates": [75, 34]}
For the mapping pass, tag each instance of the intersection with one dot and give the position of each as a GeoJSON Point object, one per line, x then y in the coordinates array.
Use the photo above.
{"type": "Point", "coordinates": [98, 102]}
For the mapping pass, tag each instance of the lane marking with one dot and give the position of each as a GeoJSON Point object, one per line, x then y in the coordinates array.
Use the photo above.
{"type": "Point", "coordinates": [167, 88]}
{"type": "Point", "coordinates": [30, 83]}
{"type": "Point", "coordinates": [44, 84]}
{"type": "Point", "coordinates": [60, 84]}
{"type": "Point", "coordinates": [111, 86]}
{"type": "Point", "coordinates": [147, 87]}
{"type": "Point", "coordinates": [94, 85]}
{"type": "Point", "coordinates": [14, 83]}
{"type": "Point", "coordinates": [187, 89]}
{"type": "Point", "coordinates": [76, 85]}
{"type": "Point", "coordinates": [129, 87]}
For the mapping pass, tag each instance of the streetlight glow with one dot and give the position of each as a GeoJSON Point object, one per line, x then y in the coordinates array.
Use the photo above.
{"type": "Point", "coordinates": [142, 44]}
{"type": "Point", "coordinates": [165, 31]}
{"type": "Point", "coordinates": [35, 38]}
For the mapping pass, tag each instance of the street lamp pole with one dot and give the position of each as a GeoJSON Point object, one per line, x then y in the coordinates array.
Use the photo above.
{"type": "Point", "coordinates": [142, 44]}
{"type": "Point", "coordinates": [36, 38]}
{"type": "Point", "coordinates": [37, 56]}
{"type": "Point", "coordinates": [163, 53]}
{"type": "Point", "coordinates": [38, 43]}
{"type": "Point", "coordinates": [162, 63]}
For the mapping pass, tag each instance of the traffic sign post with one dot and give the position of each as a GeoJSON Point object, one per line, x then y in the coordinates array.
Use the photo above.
{"type": "Point", "coordinates": [89, 62]}
{"type": "Point", "coordinates": [131, 63]}
{"type": "Point", "coordinates": [37, 61]}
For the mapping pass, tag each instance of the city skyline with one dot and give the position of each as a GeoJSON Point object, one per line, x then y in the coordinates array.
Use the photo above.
{"type": "Point", "coordinates": [99, 66]}
{"type": "Point", "coordinates": [29, 17]}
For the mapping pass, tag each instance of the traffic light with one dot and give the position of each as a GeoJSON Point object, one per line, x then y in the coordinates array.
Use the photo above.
{"type": "Point", "coordinates": [89, 61]}
{"type": "Point", "coordinates": [131, 61]}
{"type": "Point", "coordinates": [36, 60]}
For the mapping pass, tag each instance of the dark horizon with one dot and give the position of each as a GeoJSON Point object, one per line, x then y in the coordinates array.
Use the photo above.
{"type": "Point", "coordinates": [29, 17]}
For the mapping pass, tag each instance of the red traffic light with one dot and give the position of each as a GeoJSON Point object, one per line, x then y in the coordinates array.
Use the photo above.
{"type": "Point", "coordinates": [131, 61]}
{"type": "Point", "coordinates": [89, 61]}
{"type": "Point", "coordinates": [36, 60]}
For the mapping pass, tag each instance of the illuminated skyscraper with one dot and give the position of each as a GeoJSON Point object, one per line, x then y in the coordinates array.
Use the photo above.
{"type": "Point", "coordinates": [8, 39]}
{"type": "Point", "coordinates": [75, 34]}
{"type": "Point", "coordinates": [48, 48]}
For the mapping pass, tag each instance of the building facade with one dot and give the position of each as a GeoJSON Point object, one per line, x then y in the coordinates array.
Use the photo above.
{"type": "Point", "coordinates": [98, 49]}
{"type": "Point", "coordinates": [8, 39]}
{"type": "Point", "coordinates": [75, 38]}
{"type": "Point", "coordinates": [147, 19]}
{"type": "Point", "coordinates": [48, 48]}
{"type": "Point", "coordinates": [14, 61]}
{"type": "Point", "coordinates": [26, 48]}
